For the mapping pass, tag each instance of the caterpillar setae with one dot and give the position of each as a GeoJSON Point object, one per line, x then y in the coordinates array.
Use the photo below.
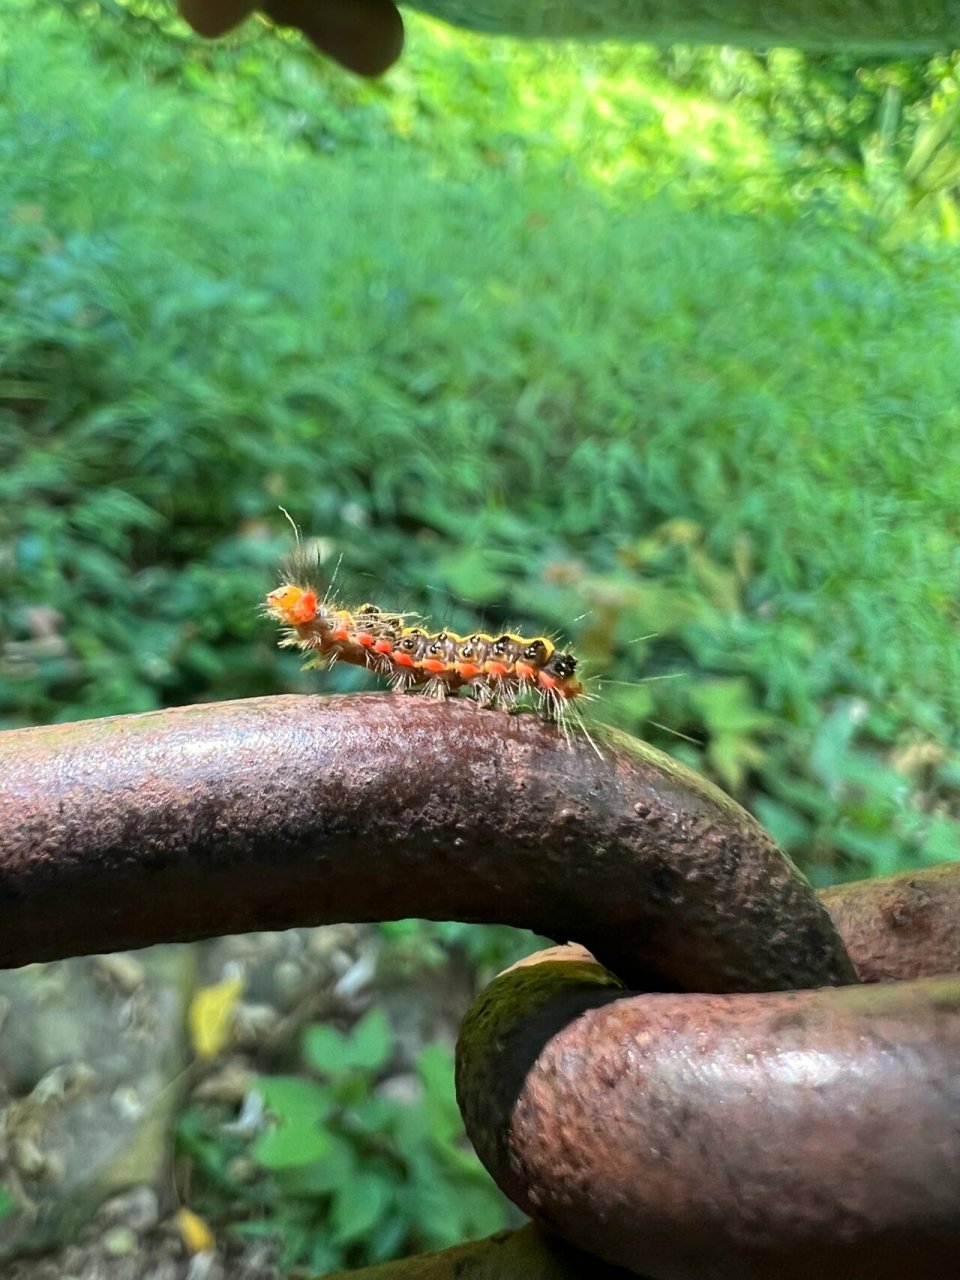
{"type": "Point", "coordinates": [503, 670]}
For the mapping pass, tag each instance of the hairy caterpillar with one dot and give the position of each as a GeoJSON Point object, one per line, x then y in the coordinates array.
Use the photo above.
{"type": "Point", "coordinates": [495, 670]}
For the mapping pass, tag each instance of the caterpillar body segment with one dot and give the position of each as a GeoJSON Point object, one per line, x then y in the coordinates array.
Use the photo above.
{"type": "Point", "coordinates": [495, 670]}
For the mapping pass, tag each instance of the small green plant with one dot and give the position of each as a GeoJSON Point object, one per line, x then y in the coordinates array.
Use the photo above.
{"type": "Point", "coordinates": [344, 1171]}
{"type": "Point", "coordinates": [857, 806]}
{"type": "Point", "coordinates": [7, 1203]}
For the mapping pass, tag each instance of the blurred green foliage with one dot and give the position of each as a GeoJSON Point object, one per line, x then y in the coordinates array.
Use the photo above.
{"type": "Point", "coordinates": [656, 349]}
{"type": "Point", "coordinates": [636, 346]}
{"type": "Point", "coordinates": [341, 1171]}
{"type": "Point", "coordinates": [7, 1203]}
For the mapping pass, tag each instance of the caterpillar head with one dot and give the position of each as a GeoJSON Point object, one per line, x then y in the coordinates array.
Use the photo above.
{"type": "Point", "coordinates": [558, 677]}
{"type": "Point", "coordinates": [295, 606]}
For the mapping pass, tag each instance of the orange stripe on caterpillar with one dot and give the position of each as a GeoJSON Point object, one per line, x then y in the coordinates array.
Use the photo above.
{"type": "Point", "coordinates": [496, 669]}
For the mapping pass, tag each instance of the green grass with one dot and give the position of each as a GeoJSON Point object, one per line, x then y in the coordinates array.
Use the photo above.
{"type": "Point", "coordinates": [511, 367]}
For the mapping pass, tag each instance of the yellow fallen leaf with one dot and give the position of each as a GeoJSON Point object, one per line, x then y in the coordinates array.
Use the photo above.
{"type": "Point", "coordinates": [194, 1232]}
{"type": "Point", "coordinates": [210, 1015]}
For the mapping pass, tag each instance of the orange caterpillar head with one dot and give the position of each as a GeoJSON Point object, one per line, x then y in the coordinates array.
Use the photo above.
{"type": "Point", "coordinates": [293, 605]}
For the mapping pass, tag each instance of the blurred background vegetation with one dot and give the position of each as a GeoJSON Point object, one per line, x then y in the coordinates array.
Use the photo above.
{"type": "Point", "coordinates": [658, 349]}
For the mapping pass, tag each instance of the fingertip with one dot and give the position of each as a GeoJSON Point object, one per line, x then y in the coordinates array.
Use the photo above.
{"type": "Point", "coordinates": [364, 36]}
{"type": "Point", "coordinates": [212, 18]}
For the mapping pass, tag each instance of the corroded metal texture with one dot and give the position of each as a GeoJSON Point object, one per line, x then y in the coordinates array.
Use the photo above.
{"type": "Point", "coordinates": [811, 1135]}
{"type": "Point", "coordinates": [905, 926]}
{"type": "Point", "coordinates": [288, 811]}
{"type": "Point", "coordinates": [766, 1134]}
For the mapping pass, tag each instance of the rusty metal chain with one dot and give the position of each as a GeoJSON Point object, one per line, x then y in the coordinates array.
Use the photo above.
{"type": "Point", "coordinates": [755, 1113]}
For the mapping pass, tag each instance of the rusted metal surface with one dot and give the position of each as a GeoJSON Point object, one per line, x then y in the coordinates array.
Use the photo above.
{"type": "Point", "coordinates": [810, 1135]}
{"type": "Point", "coordinates": [904, 926]}
{"type": "Point", "coordinates": [275, 812]}
{"type": "Point", "coordinates": [766, 1133]}
{"type": "Point", "coordinates": [899, 927]}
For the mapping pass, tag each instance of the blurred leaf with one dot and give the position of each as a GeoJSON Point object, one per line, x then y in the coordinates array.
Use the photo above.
{"type": "Point", "coordinates": [729, 706]}
{"type": "Point", "coordinates": [473, 574]}
{"type": "Point", "coordinates": [788, 827]}
{"type": "Point", "coordinates": [325, 1049]}
{"type": "Point", "coordinates": [732, 755]}
{"type": "Point", "coordinates": [371, 1041]}
{"type": "Point", "coordinates": [358, 1205]}
{"type": "Point", "coordinates": [482, 1210]}
{"type": "Point", "coordinates": [732, 719]}
{"type": "Point", "coordinates": [388, 1241]}
{"type": "Point", "coordinates": [942, 841]}
{"type": "Point", "coordinates": [440, 1211]}
{"type": "Point", "coordinates": [931, 137]}
{"type": "Point", "coordinates": [881, 853]}
{"type": "Point", "coordinates": [367, 1047]}
{"type": "Point", "coordinates": [831, 748]}
{"type": "Point", "coordinates": [194, 1231]}
{"type": "Point", "coordinates": [435, 1069]}
{"type": "Point", "coordinates": [323, 1256]}
{"type": "Point", "coordinates": [300, 1107]}
{"type": "Point", "coordinates": [7, 1203]}
{"type": "Point", "coordinates": [210, 1016]}
{"type": "Point", "coordinates": [336, 1166]}
{"type": "Point", "coordinates": [374, 1114]}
